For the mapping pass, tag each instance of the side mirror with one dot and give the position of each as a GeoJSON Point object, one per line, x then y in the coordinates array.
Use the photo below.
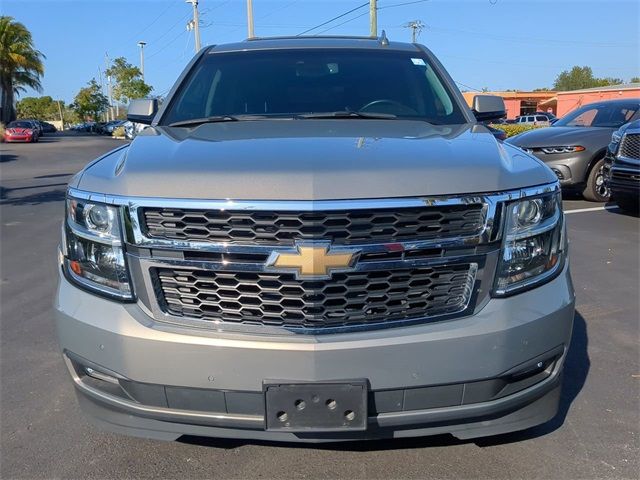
{"type": "Point", "coordinates": [488, 107]}
{"type": "Point", "coordinates": [142, 110]}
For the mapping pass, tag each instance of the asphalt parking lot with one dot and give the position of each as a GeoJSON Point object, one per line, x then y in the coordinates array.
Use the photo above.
{"type": "Point", "coordinates": [44, 435]}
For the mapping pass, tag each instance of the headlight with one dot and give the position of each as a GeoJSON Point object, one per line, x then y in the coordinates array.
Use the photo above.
{"type": "Point", "coordinates": [616, 137]}
{"type": "Point", "coordinates": [533, 249]}
{"type": "Point", "coordinates": [92, 249]}
{"type": "Point", "coordinates": [565, 149]}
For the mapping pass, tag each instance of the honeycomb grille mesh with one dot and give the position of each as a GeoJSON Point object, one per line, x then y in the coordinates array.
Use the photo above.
{"type": "Point", "coordinates": [339, 227]}
{"type": "Point", "coordinates": [347, 299]}
{"type": "Point", "coordinates": [630, 147]}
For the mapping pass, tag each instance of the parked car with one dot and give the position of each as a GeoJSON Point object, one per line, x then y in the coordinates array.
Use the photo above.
{"type": "Point", "coordinates": [111, 126]}
{"type": "Point", "coordinates": [86, 127]}
{"type": "Point", "coordinates": [538, 120]}
{"type": "Point", "coordinates": [21, 131]}
{"type": "Point", "coordinates": [622, 167]}
{"type": "Point", "coordinates": [261, 262]}
{"type": "Point", "coordinates": [36, 125]}
{"type": "Point", "coordinates": [131, 129]}
{"type": "Point", "coordinates": [550, 116]}
{"type": "Point", "coordinates": [48, 127]}
{"type": "Point", "coordinates": [575, 146]}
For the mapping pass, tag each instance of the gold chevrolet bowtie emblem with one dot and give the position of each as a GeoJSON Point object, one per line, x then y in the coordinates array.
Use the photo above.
{"type": "Point", "coordinates": [312, 261]}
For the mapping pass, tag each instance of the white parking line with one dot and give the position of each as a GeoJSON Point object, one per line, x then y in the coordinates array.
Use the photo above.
{"type": "Point", "coordinates": [593, 209]}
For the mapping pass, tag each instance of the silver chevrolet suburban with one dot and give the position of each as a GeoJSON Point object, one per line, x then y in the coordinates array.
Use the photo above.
{"type": "Point", "coordinates": [315, 240]}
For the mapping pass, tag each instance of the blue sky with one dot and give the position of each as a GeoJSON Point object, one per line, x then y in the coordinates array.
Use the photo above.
{"type": "Point", "coordinates": [499, 44]}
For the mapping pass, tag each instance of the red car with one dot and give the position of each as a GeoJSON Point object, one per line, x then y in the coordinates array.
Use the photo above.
{"type": "Point", "coordinates": [20, 131]}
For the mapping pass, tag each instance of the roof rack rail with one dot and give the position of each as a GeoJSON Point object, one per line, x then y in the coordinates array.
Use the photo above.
{"type": "Point", "coordinates": [292, 37]}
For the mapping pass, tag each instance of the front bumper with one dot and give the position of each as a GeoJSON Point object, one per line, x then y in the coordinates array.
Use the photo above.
{"type": "Point", "coordinates": [18, 138]}
{"type": "Point", "coordinates": [446, 377]}
{"type": "Point", "coordinates": [571, 168]}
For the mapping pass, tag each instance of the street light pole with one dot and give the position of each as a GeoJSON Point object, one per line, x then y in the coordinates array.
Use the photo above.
{"type": "Point", "coordinates": [141, 45]}
{"type": "Point", "coordinates": [250, 30]}
{"type": "Point", "coordinates": [195, 23]}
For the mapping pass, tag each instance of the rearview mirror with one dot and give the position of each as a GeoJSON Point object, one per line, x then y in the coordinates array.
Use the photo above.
{"type": "Point", "coordinates": [488, 107]}
{"type": "Point", "coordinates": [142, 110]}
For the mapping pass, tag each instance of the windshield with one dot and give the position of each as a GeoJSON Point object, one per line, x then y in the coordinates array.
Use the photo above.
{"type": "Point", "coordinates": [20, 125]}
{"type": "Point", "coordinates": [290, 83]}
{"type": "Point", "coordinates": [612, 115]}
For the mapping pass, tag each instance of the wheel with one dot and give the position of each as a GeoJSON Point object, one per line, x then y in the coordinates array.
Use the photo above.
{"type": "Point", "coordinates": [628, 203]}
{"type": "Point", "coordinates": [596, 189]}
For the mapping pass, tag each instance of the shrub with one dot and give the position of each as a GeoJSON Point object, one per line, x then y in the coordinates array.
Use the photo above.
{"type": "Point", "coordinates": [512, 129]}
{"type": "Point", "coordinates": [1, 132]}
{"type": "Point", "coordinates": [118, 132]}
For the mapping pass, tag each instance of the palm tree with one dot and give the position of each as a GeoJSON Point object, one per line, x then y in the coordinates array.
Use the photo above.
{"type": "Point", "coordinates": [20, 64]}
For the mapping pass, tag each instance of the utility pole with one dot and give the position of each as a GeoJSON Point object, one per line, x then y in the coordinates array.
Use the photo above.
{"type": "Point", "coordinates": [416, 27]}
{"type": "Point", "coordinates": [101, 90]}
{"type": "Point", "coordinates": [141, 45]}
{"type": "Point", "coordinates": [195, 23]}
{"type": "Point", "coordinates": [61, 117]}
{"type": "Point", "coordinates": [250, 19]}
{"type": "Point", "coordinates": [110, 110]}
{"type": "Point", "coordinates": [373, 18]}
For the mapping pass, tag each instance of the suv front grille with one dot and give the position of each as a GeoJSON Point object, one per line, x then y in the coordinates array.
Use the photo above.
{"type": "Point", "coordinates": [630, 146]}
{"type": "Point", "coordinates": [347, 299]}
{"type": "Point", "coordinates": [339, 227]}
{"type": "Point", "coordinates": [625, 176]}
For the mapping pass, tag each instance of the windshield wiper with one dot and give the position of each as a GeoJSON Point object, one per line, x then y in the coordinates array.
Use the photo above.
{"type": "Point", "coordinates": [216, 119]}
{"type": "Point", "coordinates": [348, 114]}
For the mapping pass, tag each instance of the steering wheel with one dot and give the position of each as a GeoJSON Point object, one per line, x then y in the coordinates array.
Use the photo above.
{"type": "Point", "coordinates": [391, 107]}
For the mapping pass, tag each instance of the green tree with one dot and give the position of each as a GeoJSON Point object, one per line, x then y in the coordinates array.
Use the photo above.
{"type": "Point", "coordinates": [40, 108]}
{"type": "Point", "coordinates": [90, 102]}
{"type": "Point", "coordinates": [581, 77]}
{"type": "Point", "coordinates": [20, 64]}
{"type": "Point", "coordinates": [128, 81]}
{"type": "Point", "coordinates": [634, 80]}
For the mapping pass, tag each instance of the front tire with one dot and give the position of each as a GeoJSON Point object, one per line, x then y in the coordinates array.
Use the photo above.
{"type": "Point", "coordinates": [596, 189]}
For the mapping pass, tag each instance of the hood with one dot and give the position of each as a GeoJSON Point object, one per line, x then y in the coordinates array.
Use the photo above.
{"type": "Point", "coordinates": [313, 160]}
{"type": "Point", "coordinates": [563, 136]}
{"type": "Point", "coordinates": [19, 130]}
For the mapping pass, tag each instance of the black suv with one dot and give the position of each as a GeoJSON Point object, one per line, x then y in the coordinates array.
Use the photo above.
{"type": "Point", "coordinates": [622, 167]}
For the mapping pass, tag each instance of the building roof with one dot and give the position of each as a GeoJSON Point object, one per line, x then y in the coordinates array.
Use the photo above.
{"type": "Point", "coordinates": [622, 86]}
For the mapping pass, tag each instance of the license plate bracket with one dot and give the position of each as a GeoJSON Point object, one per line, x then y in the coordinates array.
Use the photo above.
{"type": "Point", "coordinates": [316, 407]}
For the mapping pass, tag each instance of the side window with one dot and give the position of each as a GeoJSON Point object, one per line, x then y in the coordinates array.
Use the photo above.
{"type": "Point", "coordinates": [584, 119]}
{"type": "Point", "coordinates": [540, 118]}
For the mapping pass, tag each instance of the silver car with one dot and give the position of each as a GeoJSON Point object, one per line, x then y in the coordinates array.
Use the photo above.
{"type": "Point", "coordinates": [315, 240]}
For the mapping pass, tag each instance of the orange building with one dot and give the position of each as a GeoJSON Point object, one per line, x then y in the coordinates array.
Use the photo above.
{"type": "Point", "coordinates": [559, 103]}
{"type": "Point", "coordinates": [519, 103]}
{"type": "Point", "coordinates": [564, 102]}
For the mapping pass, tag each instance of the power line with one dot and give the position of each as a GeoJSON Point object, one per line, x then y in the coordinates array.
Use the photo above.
{"type": "Point", "coordinates": [334, 18]}
{"type": "Point", "coordinates": [162, 49]}
{"type": "Point", "coordinates": [180, 21]}
{"type": "Point", "coordinates": [171, 5]}
{"type": "Point", "coordinates": [511, 38]}
{"type": "Point", "coordinates": [402, 4]}
{"type": "Point", "coordinates": [467, 86]}
{"type": "Point", "coordinates": [341, 23]}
